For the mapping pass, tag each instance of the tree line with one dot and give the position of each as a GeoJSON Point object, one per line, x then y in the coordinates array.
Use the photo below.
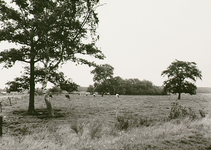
{"type": "Point", "coordinates": [117, 85]}
{"type": "Point", "coordinates": [105, 83]}
{"type": "Point", "coordinates": [181, 77]}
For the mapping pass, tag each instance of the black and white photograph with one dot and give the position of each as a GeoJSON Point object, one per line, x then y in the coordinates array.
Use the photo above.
{"type": "Point", "coordinates": [105, 74]}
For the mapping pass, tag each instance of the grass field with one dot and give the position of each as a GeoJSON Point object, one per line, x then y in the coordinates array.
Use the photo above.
{"type": "Point", "coordinates": [91, 123]}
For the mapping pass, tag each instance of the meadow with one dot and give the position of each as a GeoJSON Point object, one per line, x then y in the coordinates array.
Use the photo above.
{"type": "Point", "coordinates": [128, 122]}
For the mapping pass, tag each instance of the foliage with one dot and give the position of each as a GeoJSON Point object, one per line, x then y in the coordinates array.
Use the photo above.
{"type": "Point", "coordinates": [68, 86]}
{"type": "Point", "coordinates": [19, 84]}
{"type": "Point", "coordinates": [145, 87]}
{"type": "Point", "coordinates": [128, 120]}
{"type": "Point", "coordinates": [180, 74]}
{"type": "Point", "coordinates": [55, 90]}
{"type": "Point", "coordinates": [102, 74]}
{"type": "Point", "coordinates": [106, 83]}
{"type": "Point", "coordinates": [128, 87]}
{"type": "Point", "coordinates": [90, 89]}
{"type": "Point", "coordinates": [117, 85]}
{"type": "Point", "coordinates": [179, 111]}
{"type": "Point", "coordinates": [48, 34]}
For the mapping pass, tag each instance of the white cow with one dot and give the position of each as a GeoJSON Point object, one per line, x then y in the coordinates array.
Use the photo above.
{"type": "Point", "coordinates": [117, 95]}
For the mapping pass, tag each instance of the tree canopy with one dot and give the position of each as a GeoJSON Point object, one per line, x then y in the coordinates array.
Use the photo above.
{"type": "Point", "coordinates": [102, 74]}
{"type": "Point", "coordinates": [181, 77]}
{"type": "Point", "coordinates": [106, 83]}
{"type": "Point", "coordinates": [48, 33]}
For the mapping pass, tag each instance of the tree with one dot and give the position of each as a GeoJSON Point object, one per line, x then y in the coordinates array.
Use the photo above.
{"type": "Point", "coordinates": [181, 75]}
{"type": "Point", "coordinates": [55, 90]}
{"type": "Point", "coordinates": [48, 34]}
{"type": "Point", "coordinates": [19, 84]}
{"type": "Point", "coordinates": [69, 86]}
{"type": "Point", "coordinates": [101, 75]}
{"type": "Point", "coordinates": [117, 85]}
{"type": "Point", "coordinates": [90, 89]}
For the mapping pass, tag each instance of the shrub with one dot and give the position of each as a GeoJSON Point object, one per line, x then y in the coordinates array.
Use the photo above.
{"type": "Point", "coordinates": [179, 111]}
{"type": "Point", "coordinates": [129, 120]}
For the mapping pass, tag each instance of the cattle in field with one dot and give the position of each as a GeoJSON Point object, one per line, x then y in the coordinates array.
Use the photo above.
{"type": "Point", "coordinates": [117, 95]}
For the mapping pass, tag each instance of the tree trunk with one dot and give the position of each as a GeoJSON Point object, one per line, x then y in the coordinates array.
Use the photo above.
{"type": "Point", "coordinates": [180, 88]}
{"type": "Point", "coordinates": [31, 108]}
{"type": "Point", "coordinates": [46, 96]}
{"type": "Point", "coordinates": [49, 106]}
{"type": "Point", "coordinates": [179, 96]}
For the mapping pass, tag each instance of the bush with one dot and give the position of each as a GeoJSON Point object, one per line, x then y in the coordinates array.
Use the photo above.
{"type": "Point", "coordinates": [129, 120]}
{"type": "Point", "coordinates": [179, 111]}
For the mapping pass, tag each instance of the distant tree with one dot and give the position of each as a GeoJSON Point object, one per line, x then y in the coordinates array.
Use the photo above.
{"type": "Point", "coordinates": [13, 86]}
{"type": "Point", "coordinates": [48, 33]}
{"type": "Point", "coordinates": [101, 75]}
{"type": "Point", "coordinates": [117, 86]}
{"type": "Point", "coordinates": [69, 86]}
{"type": "Point", "coordinates": [103, 87]}
{"type": "Point", "coordinates": [55, 90]}
{"type": "Point", "coordinates": [181, 75]}
{"type": "Point", "coordinates": [90, 89]}
{"type": "Point", "coordinates": [19, 84]}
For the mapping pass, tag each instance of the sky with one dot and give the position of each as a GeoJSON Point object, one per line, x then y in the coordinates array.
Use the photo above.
{"type": "Point", "coordinates": [141, 38]}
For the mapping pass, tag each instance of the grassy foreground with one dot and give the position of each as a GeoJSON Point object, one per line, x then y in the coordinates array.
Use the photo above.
{"type": "Point", "coordinates": [90, 123]}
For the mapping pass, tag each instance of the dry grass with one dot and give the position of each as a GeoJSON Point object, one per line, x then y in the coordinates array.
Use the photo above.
{"type": "Point", "coordinates": [89, 123]}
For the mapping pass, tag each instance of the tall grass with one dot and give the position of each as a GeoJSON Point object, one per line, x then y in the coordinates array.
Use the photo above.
{"type": "Point", "coordinates": [169, 135]}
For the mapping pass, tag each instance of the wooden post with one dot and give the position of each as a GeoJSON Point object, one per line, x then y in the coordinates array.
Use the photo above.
{"type": "Point", "coordinates": [1, 125]}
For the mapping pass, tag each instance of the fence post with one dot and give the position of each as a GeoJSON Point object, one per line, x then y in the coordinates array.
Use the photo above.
{"type": "Point", "coordinates": [1, 125]}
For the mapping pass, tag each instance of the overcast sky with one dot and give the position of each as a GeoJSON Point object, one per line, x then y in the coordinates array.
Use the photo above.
{"type": "Point", "coordinates": [140, 39]}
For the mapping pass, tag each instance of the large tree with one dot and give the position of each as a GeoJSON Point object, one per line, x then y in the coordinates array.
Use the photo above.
{"type": "Point", "coordinates": [181, 77]}
{"type": "Point", "coordinates": [48, 33]}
